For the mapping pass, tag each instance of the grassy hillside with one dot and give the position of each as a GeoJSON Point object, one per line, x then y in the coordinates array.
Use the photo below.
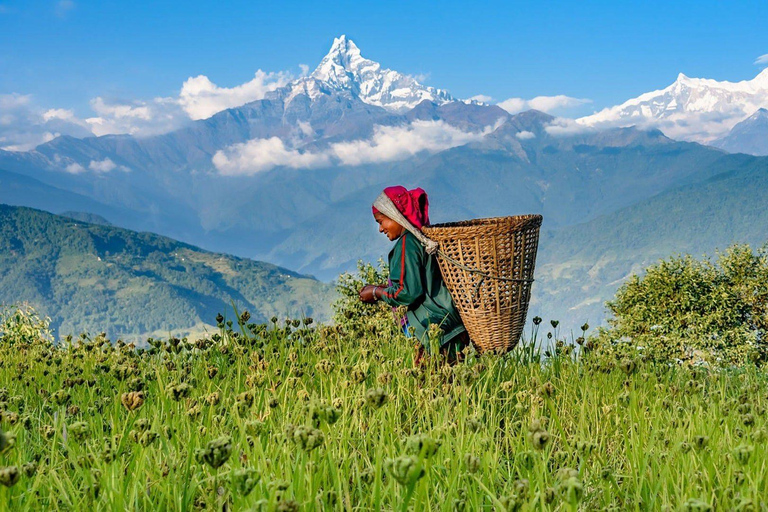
{"type": "Point", "coordinates": [580, 267]}
{"type": "Point", "coordinates": [101, 278]}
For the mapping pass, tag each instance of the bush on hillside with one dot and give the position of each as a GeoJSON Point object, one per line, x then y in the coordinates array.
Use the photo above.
{"type": "Point", "coordinates": [22, 325]}
{"type": "Point", "coordinates": [694, 311]}
{"type": "Point", "coordinates": [356, 319]}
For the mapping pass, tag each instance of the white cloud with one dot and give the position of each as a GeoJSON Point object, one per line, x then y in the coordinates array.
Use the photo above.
{"type": "Point", "coordinates": [259, 155]}
{"type": "Point", "coordinates": [762, 60]}
{"type": "Point", "coordinates": [74, 168]}
{"type": "Point", "coordinates": [562, 127]}
{"type": "Point", "coordinates": [201, 98]}
{"type": "Point", "coordinates": [59, 113]}
{"type": "Point", "coordinates": [525, 135]}
{"type": "Point", "coordinates": [482, 98]}
{"type": "Point", "coordinates": [400, 142]}
{"type": "Point", "coordinates": [105, 165]}
{"type": "Point", "coordinates": [24, 125]}
{"type": "Point", "coordinates": [543, 103]}
{"type": "Point", "coordinates": [388, 143]}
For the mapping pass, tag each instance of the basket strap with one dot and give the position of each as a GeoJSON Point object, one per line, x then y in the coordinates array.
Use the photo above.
{"type": "Point", "coordinates": [385, 205]}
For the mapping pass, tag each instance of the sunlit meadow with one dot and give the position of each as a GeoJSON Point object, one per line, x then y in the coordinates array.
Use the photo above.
{"type": "Point", "coordinates": [290, 415]}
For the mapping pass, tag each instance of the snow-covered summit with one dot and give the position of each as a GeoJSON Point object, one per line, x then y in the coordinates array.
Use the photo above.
{"type": "Point", "coordinates": [698, 109]}
{"type": "Point", "coordinates": [344, 68]}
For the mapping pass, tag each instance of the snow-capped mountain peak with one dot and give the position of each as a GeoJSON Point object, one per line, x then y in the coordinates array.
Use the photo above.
{"type": "Point", "coordinates": [344, 68]}
{"type": "Point", "coordinates": [698, 109]}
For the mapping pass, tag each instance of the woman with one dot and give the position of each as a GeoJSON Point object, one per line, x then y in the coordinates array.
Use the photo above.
{"type": "Point", "coordinates": [414, 278]}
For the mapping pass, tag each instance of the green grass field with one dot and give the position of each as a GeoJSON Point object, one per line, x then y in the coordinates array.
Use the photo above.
{"type": "Point", "coordinates": [298, 417]}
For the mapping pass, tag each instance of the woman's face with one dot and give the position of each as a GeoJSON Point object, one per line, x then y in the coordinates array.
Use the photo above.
{"type": "Point", "coordinates": [392, 229]}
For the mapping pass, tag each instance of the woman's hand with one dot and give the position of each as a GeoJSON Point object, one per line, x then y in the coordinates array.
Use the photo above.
{"type": "Point", "coordinates": [366, 294]}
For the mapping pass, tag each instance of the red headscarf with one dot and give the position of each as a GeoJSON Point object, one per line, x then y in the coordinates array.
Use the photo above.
{"type": "Point", "coordinates": [413, 204]}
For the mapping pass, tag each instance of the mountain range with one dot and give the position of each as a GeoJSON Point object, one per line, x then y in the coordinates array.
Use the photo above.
{"type": "Point", "coordinates": [697, 109]}
{"type": "Point", "coordinates": [91, 278]}
{"type": "Point", "coordinates": [290, 178]}
{"type": "Point", "coordinates": [750, 136]}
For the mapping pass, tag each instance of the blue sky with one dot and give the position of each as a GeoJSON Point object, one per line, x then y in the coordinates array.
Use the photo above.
{"type": "Point", "coordinates": [64, 53]}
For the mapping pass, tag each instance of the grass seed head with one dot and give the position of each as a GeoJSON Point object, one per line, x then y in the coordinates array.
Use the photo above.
{"type": "Point", "coordinates": [9, 476]}
{"type": "Point", "coordinates": [422, 446]}
{"type": "Point", "coordinates": [375, 397]}
{"type": "Point", "coordinates": [215, 453]}
{"type": "Point", "coordinates": [406, 470]}
{"type": "Point", "coordinates": [132, 400]}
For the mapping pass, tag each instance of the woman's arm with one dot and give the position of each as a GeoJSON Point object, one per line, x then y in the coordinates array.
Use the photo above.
{"type": "Point", "coordinates": [405, 273]}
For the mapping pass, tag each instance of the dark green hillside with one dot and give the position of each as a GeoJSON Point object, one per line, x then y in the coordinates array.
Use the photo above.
{"type": "Point", "coordinates": [580, 267]}
{"type": "Point", "coordinates": [90, 277]}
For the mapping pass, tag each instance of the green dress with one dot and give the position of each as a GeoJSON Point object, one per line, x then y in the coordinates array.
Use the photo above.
{"type": "Point", "coordinates": [416, 282]}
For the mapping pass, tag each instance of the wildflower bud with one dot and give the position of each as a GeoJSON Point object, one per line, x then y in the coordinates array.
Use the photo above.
{"type": "Point", "coordinates": [215, 453]}
{"type": "Point", "coordinates": [245, 480]}
{"type": "Point", "coordinates": [585, 327]}
{"type": "Point", "coordinates": [244, 317]}
{"type": "Point", "coordinates": [474, 424]}
{"type": "Point", "coordinates": [359, 374]}
{"type": "Point", "coordinates": [179, 391]}
{"type": "Point", "coordinates": [406, 470]}
{"type": "Point", "coordinates": [47, 431]}
{"type": "Point", "coordinates": [9, 476]}
{"type": "Point", "coordinates": [29, 469]}
{"type": "Point", "coordinates": [472, 462]}
{"type": "Point", "coordinates": [554, 323]}
{"type": "Point", "coordinates": [700, 442]}
{"type": "Point", "coordinates": [132, 400]}
{"type": "Point", "coordinates": [422, 445]}
{"type": "Point", "coordinates": [142, 424]}
{"type": "Point", "coordinates": [324, 366]}
{"type": "Point", "coordinates": [536, 320]}
{"type": "Point", "coordinates": [147, 438]}
{"type": "Point", "coordinates": [219, 320]}
{"type": "Point", "coordinates": [571, 490]}
{"type": "Point", "coordinates": [307, 438]}
{"type": "Point", "coordinates": [79, 430]}
{"type": "Point", "coordinates": [376, 397]}
{"type": "Point", "coordinates": [195, 411]}
{"type": "Point", "coordinates": [547, 390]}
{"type": "Point", "coordinates": [743, 453]}
{"type": "Point", "coordinates": [539, 439]}
{"type": "Point", "coordinates": [212, 371]}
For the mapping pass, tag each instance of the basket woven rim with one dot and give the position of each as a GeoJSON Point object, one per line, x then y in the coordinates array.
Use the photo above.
{"type": "Point", "coordinates": [516, 220]}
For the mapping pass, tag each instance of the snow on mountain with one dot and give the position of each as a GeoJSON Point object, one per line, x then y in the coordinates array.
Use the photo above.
{"type": "Point", "coordinates": [749, 136]}
{"type": "Point", "coordinates": [696, 109]}
{"type": "Point", "coordinates": [345, 69]}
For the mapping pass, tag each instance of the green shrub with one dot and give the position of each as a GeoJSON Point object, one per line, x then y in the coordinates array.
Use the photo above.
{"type": "Point", "coordinates": [21, 325]}
{"type": "Point", "coordinates": [690, 310]}
{"type": "Point", "coordinates": [356, 319]}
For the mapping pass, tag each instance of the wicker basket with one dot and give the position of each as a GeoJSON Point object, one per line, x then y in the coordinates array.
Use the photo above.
{"type": "Point", "coordinates": [493, 310]}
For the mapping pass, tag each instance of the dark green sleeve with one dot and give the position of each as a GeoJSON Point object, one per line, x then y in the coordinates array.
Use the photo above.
{"type": "Point", "coordinates": [405, 271]}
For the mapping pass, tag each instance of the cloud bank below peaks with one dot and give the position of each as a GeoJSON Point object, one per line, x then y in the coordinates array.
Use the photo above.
{"type": "Point", "coordinates": [25, 124]}
{"type": "Point", "coordinates": [548, 104]}
{"type": "Point", "coordinates": [387, 144]}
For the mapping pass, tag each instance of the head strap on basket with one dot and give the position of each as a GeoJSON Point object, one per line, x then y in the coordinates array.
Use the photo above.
{"type": "Point", "coordinates": [385, 205]}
